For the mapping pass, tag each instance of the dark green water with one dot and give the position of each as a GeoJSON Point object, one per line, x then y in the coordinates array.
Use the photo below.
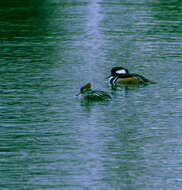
{"type": "Point", "coordinates": [51, 140]}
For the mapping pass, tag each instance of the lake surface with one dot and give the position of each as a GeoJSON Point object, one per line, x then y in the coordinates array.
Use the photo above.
{"type": "Point", "coordinates": [49, 139]}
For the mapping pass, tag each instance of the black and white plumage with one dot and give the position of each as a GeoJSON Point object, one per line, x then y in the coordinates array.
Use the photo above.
{"type": "Point", "coordinates": [121, 77]}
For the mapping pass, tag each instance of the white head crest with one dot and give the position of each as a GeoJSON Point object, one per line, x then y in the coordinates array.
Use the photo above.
{"type": "Point", "coordinates": [121, 71]}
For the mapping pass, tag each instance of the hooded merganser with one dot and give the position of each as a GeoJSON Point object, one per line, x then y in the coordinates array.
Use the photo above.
{"type": "Point", "coordinates": [96, 95]}
{"type": "Point", "coordinates": [121, 77]}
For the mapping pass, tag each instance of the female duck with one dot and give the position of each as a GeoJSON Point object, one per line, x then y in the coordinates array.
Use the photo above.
{"type": "Point", "coordinates": [96, 95]}
{"type": "Point", "coordinates": [121, 77]}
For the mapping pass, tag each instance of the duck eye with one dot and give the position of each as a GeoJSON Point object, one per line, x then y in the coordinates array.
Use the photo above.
{"type": "Point", "coordinates": [122, 71]}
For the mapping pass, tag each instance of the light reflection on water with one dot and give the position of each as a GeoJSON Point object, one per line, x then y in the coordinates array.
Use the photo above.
{"type": "Point", "coordinates": [52, 140]}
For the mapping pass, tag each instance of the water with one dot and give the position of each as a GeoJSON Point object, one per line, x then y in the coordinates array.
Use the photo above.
{"type": "Point", "coordinates": [51, 140]}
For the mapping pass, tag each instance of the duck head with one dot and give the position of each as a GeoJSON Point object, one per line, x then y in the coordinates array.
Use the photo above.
{"type": "Point", "coordinates": [85, 88]}
{"type": "Point", "coordinates": [115, 71]}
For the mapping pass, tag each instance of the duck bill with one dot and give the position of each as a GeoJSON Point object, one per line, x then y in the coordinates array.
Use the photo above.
{"type": "Point", "coordinates": [108, 76]}
{"type": "Point", "coordinates": [79, 95]}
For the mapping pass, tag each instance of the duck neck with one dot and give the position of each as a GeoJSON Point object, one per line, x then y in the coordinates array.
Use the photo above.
{"type": "Point", "coordinates": [113, 80]}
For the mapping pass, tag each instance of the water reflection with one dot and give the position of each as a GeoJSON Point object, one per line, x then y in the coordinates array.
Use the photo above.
{"type": "Point", "coordinates": [50, 139]}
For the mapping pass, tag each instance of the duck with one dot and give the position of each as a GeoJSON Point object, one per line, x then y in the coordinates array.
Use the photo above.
{"type": "Point", "coordinates": [87, 93]}
{"type": "Point", "coordinates": [120, 76]}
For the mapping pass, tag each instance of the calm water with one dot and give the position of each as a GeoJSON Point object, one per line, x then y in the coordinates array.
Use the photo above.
{"type": "Point", "coordinates": [51, 140]}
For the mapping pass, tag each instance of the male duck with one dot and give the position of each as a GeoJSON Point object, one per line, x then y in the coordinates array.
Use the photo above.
{"type": "Point", "coordinates": [121, 77]}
